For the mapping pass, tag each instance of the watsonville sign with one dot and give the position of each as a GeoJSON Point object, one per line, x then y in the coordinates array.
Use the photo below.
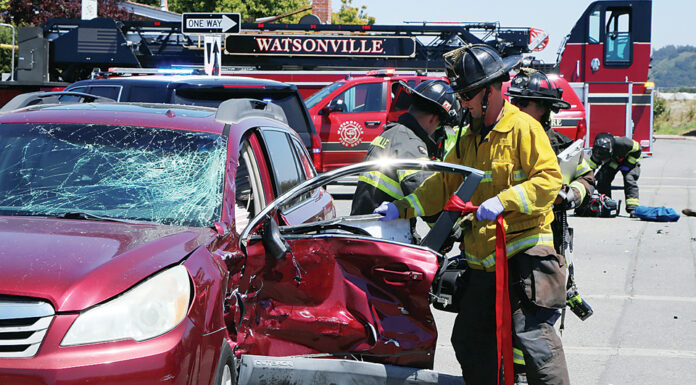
{"type": "Point", "coordinates": [320, 46]}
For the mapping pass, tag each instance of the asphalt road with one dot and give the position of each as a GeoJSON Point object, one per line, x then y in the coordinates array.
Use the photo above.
{"type": "Point", "coordinates": [639, 277]}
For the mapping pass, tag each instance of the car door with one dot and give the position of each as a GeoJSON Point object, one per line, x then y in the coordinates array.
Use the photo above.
{"type": "Point", "coordinates": [340, 295]}
{"type": "Point", "coordinates": [352, 119]}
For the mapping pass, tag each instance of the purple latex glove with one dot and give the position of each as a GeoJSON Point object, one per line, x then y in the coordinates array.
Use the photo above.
{"type": "Point", "coordinates": [624, 168]}
{"type": "Point", "coordinates": [389, 210]}
{"type": "Point", "coordinates": [490, 209]}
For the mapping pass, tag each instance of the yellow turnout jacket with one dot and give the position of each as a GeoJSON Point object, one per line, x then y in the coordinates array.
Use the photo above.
{"type": "Point", "coordinates": [520, 168]}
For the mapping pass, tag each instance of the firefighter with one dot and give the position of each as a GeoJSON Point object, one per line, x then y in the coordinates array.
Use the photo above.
{"type": "Point", "coordinates": [433, 105]}
{"type": "Point", "coordinates": [613, 154]}
{"type": "Point", "coordinates": [532, 92]}
{"type": "Point", "coordinates": [522, 179]}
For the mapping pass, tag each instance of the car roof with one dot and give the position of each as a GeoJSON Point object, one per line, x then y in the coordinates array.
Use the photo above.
{"type": "Point", "coordinates": [175, 117]}
{"type": "Point", "coordinates": [191, 80]}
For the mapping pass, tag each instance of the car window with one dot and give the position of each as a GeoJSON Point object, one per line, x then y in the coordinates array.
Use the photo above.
{"type": "Point", "coordinates": [289, 101]}
{"type": "Point", "coordinates": [71, 98]}
{"type": "Point", "coordinates": [401, 100]}
{"type": "Point", "coordinates": [306, 164]}
{"type": "Point", "coordinates": [321, 94]}
{"type": "Point", "coordinates": [151, 174]}
{"type": "Point", "coordinates": [111, 92]}
{"type": "Point", "coordinates": [367, 97]}
{"type": "Point", "coordinates": [249, 198]}
{"type": "Point", "coordinates": [283, 160]}
{"type": "Point", "coordinates": [148, 94]}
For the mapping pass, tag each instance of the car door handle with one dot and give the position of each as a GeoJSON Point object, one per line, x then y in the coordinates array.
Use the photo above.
{"type": "Point", "coordinates": [372, 123]}
{"type": "Point", "coordinates": [398, 276]}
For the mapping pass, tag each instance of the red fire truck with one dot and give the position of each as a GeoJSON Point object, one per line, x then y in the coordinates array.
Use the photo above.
{"type": "Point", "coordinates": [605, 57]}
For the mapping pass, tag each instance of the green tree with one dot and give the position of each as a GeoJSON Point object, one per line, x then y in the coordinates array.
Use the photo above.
{"type": "Point", "coordinates": [352, 15]}
{"type": "Point", "coordinates": [249, 9]}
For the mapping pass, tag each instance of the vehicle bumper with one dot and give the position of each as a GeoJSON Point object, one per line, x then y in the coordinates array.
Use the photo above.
{"type": "Point", "coordinates": [299, 370]}
{"type": "Point", "coordinates": [180, 356]}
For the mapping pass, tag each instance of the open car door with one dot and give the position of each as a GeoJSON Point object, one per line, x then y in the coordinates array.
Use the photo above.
{"type": "Point", "coordinates": [331, 289]}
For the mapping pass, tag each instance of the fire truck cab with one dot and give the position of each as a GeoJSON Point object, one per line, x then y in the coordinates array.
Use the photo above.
{"type": "Point", "coordinates": [606, 58]}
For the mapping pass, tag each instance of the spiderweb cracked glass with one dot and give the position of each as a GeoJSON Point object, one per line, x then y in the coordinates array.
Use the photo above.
{"type": "Point", "coordinates": [159, 175]}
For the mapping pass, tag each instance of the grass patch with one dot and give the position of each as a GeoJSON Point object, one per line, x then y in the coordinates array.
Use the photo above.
{"type": "Point", "coordinates": [674, 117]}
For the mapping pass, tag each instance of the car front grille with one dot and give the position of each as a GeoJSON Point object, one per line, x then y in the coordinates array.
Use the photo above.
{"type": "Point", "coordinates": [23, 325]}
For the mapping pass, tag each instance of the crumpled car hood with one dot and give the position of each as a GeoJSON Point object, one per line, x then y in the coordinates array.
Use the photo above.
{"type": "Point", "coordinates": [76, 264]}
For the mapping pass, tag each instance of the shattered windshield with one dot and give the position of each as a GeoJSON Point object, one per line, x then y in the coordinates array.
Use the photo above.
{"type": "Point", "coordinates": [151, 174]}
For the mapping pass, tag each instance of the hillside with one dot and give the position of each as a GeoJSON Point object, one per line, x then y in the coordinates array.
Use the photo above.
{"type": "Point", "coordinates": [674, 67]}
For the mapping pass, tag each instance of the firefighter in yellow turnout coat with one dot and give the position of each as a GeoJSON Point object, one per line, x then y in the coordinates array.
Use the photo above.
{"type": "Point", "coordinates": [520, 169]}
{"type": "Point", "coordinates": [522, 179]}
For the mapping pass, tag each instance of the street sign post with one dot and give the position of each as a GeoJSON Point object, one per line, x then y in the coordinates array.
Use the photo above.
{"type": "Point", "coordinates": [210, 23]}
{"type": "Point", "coordinates": [213, 53]}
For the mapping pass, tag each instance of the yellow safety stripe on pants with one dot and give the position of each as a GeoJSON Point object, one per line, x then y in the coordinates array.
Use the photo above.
{"type": "Point", "coordinates": [380, 142]}
{"type": "Point", "coordinates": [519, 175]}
{"type": "Point", "coordinates": [580, 187]}
{"type": "Point", "coordinates": [525, 204]}
{"type": "Point", "coordinates": [382, 182]}
{"type": "Point", "coordinates": [512, 248]}
{"type": "Point", "coordinates": [415, 203]}
{"type": "Point", "coordinates": [487, 177]}
{"type": "Point", "coordinates": [582, 169]}
{"type": "Point", "coordinates": [632, 201]}
{"type": "Point", "coordinates": [632, 160]}
{"type": "Point", "coordinates": [517, 356]}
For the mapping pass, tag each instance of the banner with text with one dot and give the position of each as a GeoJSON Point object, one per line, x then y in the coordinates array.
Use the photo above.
{"type": "Point", "coordinates": [320, 45]}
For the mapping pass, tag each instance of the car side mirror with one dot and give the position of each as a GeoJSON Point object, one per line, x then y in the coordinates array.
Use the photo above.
{"type": "Point", "coordinates": [335, 106]}
{"type": "Point", "coordinates": [274, 243]}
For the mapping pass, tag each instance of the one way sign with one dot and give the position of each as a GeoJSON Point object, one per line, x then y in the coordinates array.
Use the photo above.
{"type": "Point", "coordinates": [210, 23]}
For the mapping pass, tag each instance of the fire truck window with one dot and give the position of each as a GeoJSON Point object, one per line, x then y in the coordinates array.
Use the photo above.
{"type": "Point", "coordinates": [617, 46]}
{"type": "Point", "coordinates": [363, 98]}
{"type": "Point", "coordinates": [594, 27]}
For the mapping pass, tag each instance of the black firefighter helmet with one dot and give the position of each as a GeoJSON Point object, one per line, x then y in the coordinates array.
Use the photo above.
{"type": "Point", "coordinates": [535, 85]}
{"type": "Point", "coordinates": [475, 66]}
{"type": "Point", "coordinates": [603, 147]}
{"type": "Point", "coordinates": [436, 97]}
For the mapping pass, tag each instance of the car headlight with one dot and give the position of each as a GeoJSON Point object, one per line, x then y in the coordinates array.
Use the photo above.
{"type": "Point", "coordinates": [147, 310]}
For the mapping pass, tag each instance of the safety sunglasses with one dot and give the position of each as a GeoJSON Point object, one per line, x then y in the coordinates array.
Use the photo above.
{"type": "Point", "coordinates": [468, 95]}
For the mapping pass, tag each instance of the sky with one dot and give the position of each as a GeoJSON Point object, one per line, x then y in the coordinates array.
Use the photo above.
{"type": "Point", "coordinates": [672, 20]}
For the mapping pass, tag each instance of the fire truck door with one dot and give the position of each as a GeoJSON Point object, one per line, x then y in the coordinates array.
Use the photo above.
{"type": "Point", "coordinates": [357, 116]}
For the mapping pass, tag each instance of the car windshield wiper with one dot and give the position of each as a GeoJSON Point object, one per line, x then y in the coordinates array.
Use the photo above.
{"type": "Point", "coordinates": [89, 216]}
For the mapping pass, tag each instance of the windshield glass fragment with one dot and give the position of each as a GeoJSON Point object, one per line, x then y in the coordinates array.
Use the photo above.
{"type": "Point", "coordinates": [151, 174]}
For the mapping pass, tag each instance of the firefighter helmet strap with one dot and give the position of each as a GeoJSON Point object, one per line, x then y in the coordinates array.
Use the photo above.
{"type": "Point", "coordinates": [484, 104]}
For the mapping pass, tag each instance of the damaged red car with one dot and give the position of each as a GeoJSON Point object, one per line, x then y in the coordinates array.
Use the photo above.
{"type": "Point", "coordinates": [166, 244]}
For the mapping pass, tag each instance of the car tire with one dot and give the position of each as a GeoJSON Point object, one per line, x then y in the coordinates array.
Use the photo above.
{"type": "Point", "coordinates": [226, 373]}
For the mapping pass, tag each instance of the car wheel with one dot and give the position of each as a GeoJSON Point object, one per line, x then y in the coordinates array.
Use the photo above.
{"type": "Point", "coordinates": [226, 373]}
